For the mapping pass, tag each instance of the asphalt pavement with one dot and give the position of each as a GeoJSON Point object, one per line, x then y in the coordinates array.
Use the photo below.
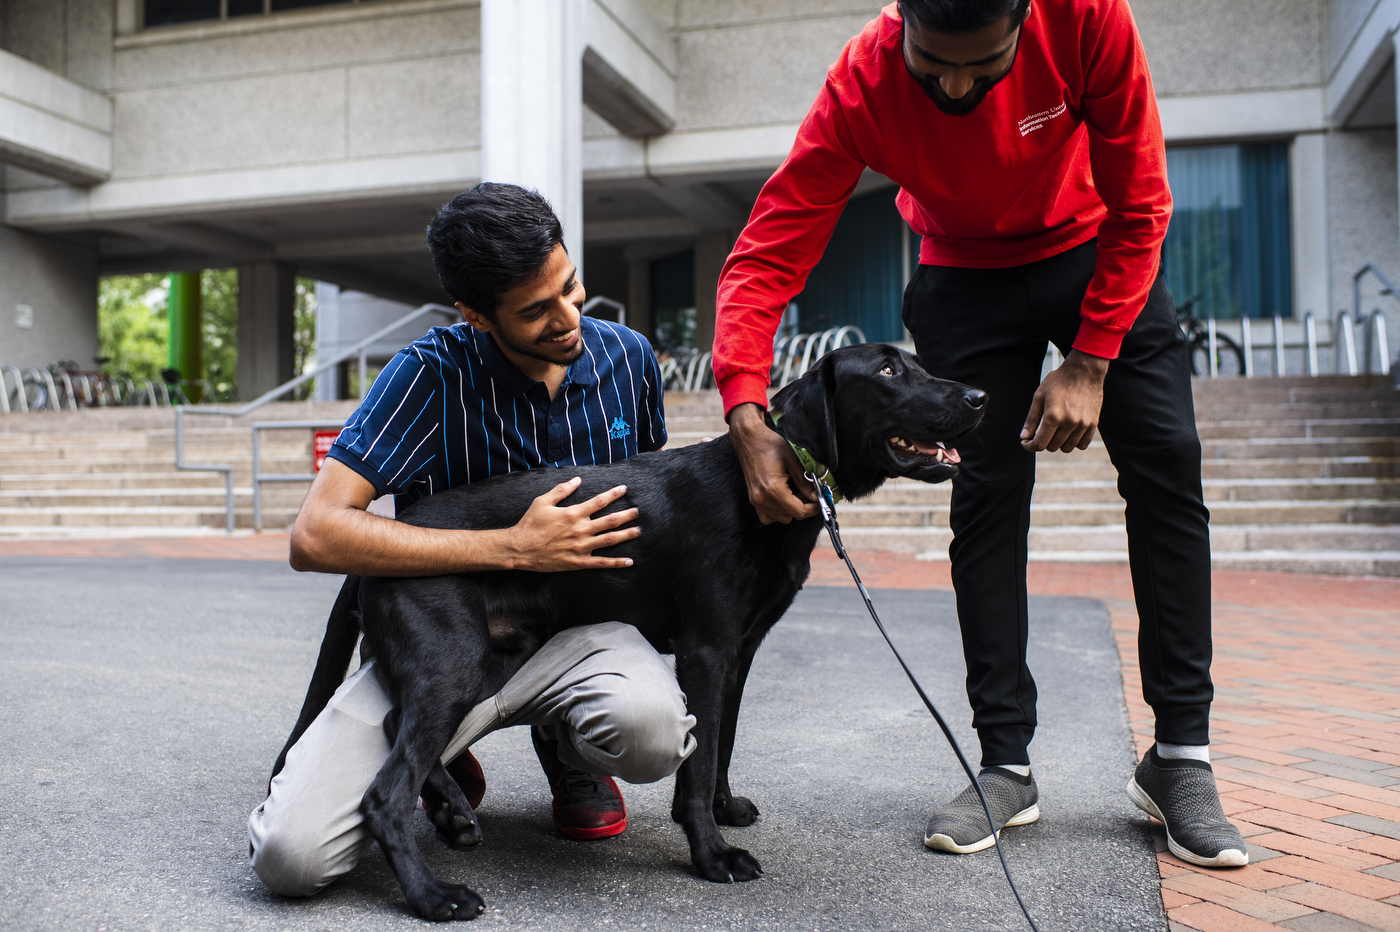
{"type": "Point", "coordinates": [144, 702]}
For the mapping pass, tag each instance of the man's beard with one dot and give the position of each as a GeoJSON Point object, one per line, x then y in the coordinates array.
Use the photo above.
{"type": "Point", "coordinates": [963, 105]}
{"type": "Point", "coordinates": [968, 102]}
{"type": "Point", "coordinates": [533, 350]}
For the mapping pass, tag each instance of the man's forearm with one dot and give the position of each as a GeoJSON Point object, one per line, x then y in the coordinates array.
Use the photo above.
{"type": "Point", "coordinates": [348, 540]}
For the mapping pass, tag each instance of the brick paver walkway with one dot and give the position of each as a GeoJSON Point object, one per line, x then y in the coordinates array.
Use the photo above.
{"type": "Point", "coordinates": [1306, 726]}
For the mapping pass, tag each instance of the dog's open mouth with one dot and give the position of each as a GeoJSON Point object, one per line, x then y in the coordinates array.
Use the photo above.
{"type": "Point", "coordinates": [928, 453]}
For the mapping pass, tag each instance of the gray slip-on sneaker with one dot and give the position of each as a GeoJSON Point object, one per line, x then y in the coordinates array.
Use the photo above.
{"type": "Point", "coordinates": [1181, 794]}
{"type": "Point", "coordinates": [961, 827]}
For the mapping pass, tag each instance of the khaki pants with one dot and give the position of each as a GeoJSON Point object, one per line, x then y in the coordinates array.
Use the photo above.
{"type": "Point", "coordinates": [616, 700]}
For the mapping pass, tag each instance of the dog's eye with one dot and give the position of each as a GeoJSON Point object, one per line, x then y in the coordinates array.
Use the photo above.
{"type": "Point", "coordinates": [888, 370]}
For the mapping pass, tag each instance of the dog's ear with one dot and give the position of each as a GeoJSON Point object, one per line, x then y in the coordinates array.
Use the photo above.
{"type": "Point", "coordinates": [808, 407]}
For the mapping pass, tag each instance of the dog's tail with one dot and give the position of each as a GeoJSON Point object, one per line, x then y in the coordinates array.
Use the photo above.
{"type": "Point", "coordinates": [342, 630]}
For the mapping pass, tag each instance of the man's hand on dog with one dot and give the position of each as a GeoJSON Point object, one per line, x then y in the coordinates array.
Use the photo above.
{"type": "Point", "coordinates": [551, 537]}
{"type": "Point", "coordinates": [1065, 410]}
{"type": "Point", "coordinates": [770, 468]}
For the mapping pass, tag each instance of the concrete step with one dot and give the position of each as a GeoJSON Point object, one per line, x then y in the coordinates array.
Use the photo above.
{"type": "Point", "coordinates": [1282, 429]}
{"type": "Point", "coordinates": [13, 520]}
{"type": "Point", "coordinates": [1281, 449]}
{"type": "Point", "coordinates": [108, 481]}
{"type": "Point", "coordinates": [1268, 411]}
{"type": "Point", "coordinates": [1095, 514]}
{"type": "Point", "coordinates": [1107, 541]}
{"type": "Point", "coordinates": [1105, 491]}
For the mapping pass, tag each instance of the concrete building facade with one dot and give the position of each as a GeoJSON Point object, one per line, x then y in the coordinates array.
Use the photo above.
{"type": "Point", "coordinates": [297, 137]}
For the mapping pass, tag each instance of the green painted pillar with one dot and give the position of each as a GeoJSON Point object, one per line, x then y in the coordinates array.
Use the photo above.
{"type": "Point", "coordinates": [186, 313]}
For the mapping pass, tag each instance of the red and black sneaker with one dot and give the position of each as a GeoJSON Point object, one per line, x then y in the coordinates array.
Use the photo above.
{"type": "Point", "coordinates": [466, 771]}
{"type": "Point", "coordinates": [586, 806]}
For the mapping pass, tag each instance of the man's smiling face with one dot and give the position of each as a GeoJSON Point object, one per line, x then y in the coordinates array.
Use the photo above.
{"type": "Point", "coordinates": [537, 322]}
{"type": "Point", "coordinates": [957, 70]}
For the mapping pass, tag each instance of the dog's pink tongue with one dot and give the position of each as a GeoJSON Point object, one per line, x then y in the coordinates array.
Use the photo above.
{"type": "Point", "coordinates": [933, 449]}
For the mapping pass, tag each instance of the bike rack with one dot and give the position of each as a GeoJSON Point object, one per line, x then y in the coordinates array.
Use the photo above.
{"type": "Point", "coordinates": [68, 387]}
{"type": "Point", "coordinates": [1310, 334]}
{"type": "Point", "coordinates": [1247, 342]}
{"type": "Point", "coordinates": [1347, 328]}
{"type": "Point", "coordinates": [1377, 338]}
{"type": "Point", "coordinates": [813, 346]}
{"type": "Point", "coordinates": [19, 389]}
{"type": "Point", "coordinates": [1214, 347]}
{"type": "Point", "coordinates": [1279, 367]}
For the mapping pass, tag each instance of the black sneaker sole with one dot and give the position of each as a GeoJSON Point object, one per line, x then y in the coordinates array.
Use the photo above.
{"type": "Point", "coordinates": [1230, 857]}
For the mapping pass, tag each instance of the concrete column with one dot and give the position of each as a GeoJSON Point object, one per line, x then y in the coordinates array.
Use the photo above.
{"type": "Point", "coordinates": [328, 340]}
{"type": "Point", "coordinates": [639, 298]}
{"type": "Point", "coordinates": [532, 103]}
{"type": "Point", "coordinates": [266, 322]}
{"type": "Point", "coordinates": [711, 251]}
{"type": "Point", "coordinates": [185, 314]}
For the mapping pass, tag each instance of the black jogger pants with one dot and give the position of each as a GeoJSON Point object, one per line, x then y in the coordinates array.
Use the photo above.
{"type": "Point", "coordinates": [988, 328]}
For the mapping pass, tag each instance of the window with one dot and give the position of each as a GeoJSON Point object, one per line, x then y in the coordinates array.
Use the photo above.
{"type": "Point", "coordinates": [861, 276]}
{"type": "Point", "coordinates": [673, 300]}
{"type": "Point", "coordinates": [1228, 246]}
{"type": "Point", "coordinates": [172, 12]}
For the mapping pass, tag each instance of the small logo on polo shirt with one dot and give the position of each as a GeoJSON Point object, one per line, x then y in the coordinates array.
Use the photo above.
{"type": "Point", "coordinates": [619, 428]}
{"type": "Point", "coordinates": [1038, 120]}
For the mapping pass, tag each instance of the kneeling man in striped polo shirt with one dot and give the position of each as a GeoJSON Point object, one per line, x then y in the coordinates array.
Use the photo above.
{"type": "Point", "coordinates": [526, 381]}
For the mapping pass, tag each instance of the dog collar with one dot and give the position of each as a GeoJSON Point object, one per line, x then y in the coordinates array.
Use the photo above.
{"type": "Point", "coordinates": [816, 470]}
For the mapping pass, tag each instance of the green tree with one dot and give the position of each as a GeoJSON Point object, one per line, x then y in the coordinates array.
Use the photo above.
{"type": "Point", "coordinates": [220, 290]}
{"type": "Point", "coordinates": [134, 333]}
{"type": "Point", "coordinates": [132, 329]}
{"type": "Point", "coordinates": [304, 336]}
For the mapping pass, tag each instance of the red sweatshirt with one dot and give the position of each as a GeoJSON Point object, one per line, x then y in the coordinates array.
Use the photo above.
{"type": "Point", "coordinates": [1066, 147]}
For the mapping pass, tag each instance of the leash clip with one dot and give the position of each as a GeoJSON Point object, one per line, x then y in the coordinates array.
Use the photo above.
{"type": "Point", "coordinates": [828, 509]}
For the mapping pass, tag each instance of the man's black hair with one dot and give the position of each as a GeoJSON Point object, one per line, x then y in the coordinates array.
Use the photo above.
{"type": "Point", "coordinates": [490, 239]}
{"type": "Point", "coordinates": [962, 16]}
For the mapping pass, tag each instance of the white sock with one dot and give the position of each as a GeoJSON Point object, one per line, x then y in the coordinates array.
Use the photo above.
{"type": "Point", "coordinates": [1200, 752]}
{"type": "Point", "coordinates": [1021, 770]}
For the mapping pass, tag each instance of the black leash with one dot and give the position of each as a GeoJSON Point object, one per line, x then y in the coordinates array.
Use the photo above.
{"type": "Point", "coordinates": [833, 530]}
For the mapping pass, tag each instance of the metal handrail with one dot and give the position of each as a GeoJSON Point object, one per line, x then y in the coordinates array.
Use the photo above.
{"type": "Point", "coordinates": [1388, 288]}
{"type": "Point", "coordinates": [598, 300]}
{"type": "Point", "coordinates": [259, 478]}
{"type": "Point", "coordinates": [359, 349]}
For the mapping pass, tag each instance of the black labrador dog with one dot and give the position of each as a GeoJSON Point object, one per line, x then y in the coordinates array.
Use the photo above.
{"type": "Point", "coordinates": [708, 582]}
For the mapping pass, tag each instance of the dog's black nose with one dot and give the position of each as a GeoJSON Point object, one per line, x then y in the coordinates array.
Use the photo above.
{"type": "Point", "coordinates": [975, 398]}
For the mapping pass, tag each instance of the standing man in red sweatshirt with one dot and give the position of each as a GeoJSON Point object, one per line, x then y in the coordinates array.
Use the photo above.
{"type": "Point", "coordinates": [1025, 137]}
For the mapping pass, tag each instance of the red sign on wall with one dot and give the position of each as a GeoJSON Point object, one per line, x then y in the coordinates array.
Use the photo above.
{"type": "Point", "coordinates": [321, 441]}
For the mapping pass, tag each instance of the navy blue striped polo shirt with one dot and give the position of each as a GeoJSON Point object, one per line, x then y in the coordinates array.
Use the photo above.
{"type": "Point", "coordinates": [451, 409]}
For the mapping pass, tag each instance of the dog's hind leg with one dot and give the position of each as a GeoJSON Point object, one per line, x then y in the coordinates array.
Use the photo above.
{"type": "Point", "coordinates": [730, 809]}
{"type": "Point", "coordinates": [422, 731]}
{"type": "Point", "coordinates": [705, 674]}
{"type": "Point", "coordinates": [443, 800]}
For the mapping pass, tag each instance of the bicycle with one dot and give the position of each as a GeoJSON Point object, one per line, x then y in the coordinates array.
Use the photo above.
{"type": "Point", "coordinates": [1229, 355]}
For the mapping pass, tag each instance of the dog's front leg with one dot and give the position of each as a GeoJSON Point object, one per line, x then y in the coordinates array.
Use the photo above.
{"type": "Point", "coordinates": [705, 675]}
{"type": "Point", "coordinates": [730, 809]}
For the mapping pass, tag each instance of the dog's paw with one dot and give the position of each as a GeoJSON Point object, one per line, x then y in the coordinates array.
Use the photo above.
{"type": "Point", "coordinates": [736, 810]}
{"type": "Point", "coordinates": [456, 829]}
{"type": "Point", "coordinates": [442, 902]}
{"type": "Point", "coordinates": [727, 865]}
